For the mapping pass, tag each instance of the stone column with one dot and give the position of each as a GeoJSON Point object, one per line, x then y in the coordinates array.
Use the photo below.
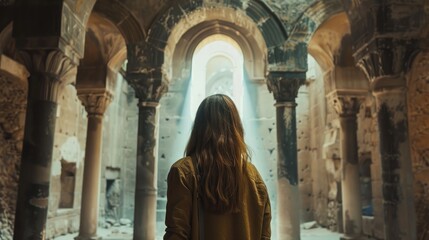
{"type": "Point", "coordinates": [285, 87]}
{"type": "Point", "coordinates": [49, 71]}
{"type": "Point", "coordinates": [147, 169]}
{"type": "Point", "coordinates": [149, 89]}
{"type": "Point", "coordinates": [384, 61]}
{"type": "Point", "coordinates": [95, 105]}
{"type": "Point", "coordinates": [397, 177]}
{"type": "Point", "coordinates": [347, 107]}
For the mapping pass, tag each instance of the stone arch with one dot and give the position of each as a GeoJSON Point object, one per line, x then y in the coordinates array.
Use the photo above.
{"type": "Point", "coordinates": [332, 47]}
{"type": "Point", "coordinates": [105, 51]}
{"type": "Point", "coordinates": [180, 47]}
{"type": "Point", "coordinates": [312, 18]}
{"type": "Point", "coordinates": [106, 40]}
{"type": "Point", "coordinates": [122, 18]}
{"type": "Point", "coordinates": [303, 31]}
{"type": "Point", "coordinates": [231, 19]}
{"type": "Point", "coordinates": [329, 40]}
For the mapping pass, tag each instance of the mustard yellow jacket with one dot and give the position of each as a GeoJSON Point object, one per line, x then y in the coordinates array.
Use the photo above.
{"type": "Point", "coordinates": [251, 223]}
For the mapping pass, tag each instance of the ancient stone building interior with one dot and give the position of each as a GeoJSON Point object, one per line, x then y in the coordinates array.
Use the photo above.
{"type": "Point", "coordinates": [97, 99]}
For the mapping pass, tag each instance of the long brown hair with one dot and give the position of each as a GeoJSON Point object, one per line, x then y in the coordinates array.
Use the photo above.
{"type": "Point", "coordinates": [217, 144]}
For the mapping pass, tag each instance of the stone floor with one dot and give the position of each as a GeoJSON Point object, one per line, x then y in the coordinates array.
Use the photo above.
{"type": "Point", "coordinates": [125, 233]}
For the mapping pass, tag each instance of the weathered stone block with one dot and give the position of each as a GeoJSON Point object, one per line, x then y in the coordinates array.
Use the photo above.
{"type": "Point", "coordinates": [368, 225]}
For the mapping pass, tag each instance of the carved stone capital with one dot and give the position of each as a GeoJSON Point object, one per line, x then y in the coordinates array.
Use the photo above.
{"type": "Point", "coordinates": [53, 62]}
{"type": "Point", "coordinates": [149, 87]}
{"type": "Point", "coordinates": [285, 85]}
{"type": "Point", "coordinates": [49, 72]}
{"type": "Point", "coordinates": [95, 103]}
{"type": "Point", "coordinates": [386, 58]}
{"type": "Point", "coordinates": [346, 105]}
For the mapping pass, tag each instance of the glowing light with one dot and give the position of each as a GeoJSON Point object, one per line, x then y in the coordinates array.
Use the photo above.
{"type": "Point", "coordinates": [217, 67]}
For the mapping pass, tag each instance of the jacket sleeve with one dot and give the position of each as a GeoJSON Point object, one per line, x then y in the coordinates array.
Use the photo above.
{"type": "Point", "coordinates": [179, 206]}
{"type": "Point", "coordinates": [266, 224]}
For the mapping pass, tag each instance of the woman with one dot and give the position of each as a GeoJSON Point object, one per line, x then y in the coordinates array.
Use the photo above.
{"type": "Point", "coordinates": [215, 192]}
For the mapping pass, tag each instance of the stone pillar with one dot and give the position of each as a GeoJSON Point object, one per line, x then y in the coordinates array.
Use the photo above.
{"type": "Point", "coordinates": [285, 87]}
{"type": "Point", "coordinates": [95, 105]}
{"type": "Point", "coordinates": [347, 107]}
{"type": "Point", "coordinates": [49, 71]}
{"type": "Point", "coordinates": [384, 61]}
{"type": "Point", "coordinates": [147, 169]}
{"type": "Point", "coordinates": [149, 89]}
{"type": "Point", "coordinates": [397, 177]}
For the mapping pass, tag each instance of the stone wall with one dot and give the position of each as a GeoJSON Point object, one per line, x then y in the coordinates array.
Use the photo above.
{"type": "Point", "coordinates": [418, 119]}
{"type": "Point", "coordinates": [119, 153]}
{"type": "Point", "coordinates": [304, 155]}
{"type": "Point", "coordinates": [13, 100]}
{"type": "Point", "coordinates": [68, 152]}
{"type": "Point", "coordinates": [317, 126]}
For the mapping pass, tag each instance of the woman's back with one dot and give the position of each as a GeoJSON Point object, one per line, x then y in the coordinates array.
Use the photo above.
{"type": "Point", "coordinates": [252, 222]}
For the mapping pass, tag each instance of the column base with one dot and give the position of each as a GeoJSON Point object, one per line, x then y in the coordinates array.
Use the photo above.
{"type": "Point", "coordinates": [88, 238]}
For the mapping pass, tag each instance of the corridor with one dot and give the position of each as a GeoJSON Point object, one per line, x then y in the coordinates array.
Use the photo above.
{"type": "Point", "coordinates": [97, 99]}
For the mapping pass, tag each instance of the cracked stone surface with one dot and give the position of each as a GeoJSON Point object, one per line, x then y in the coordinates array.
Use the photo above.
{"type": "Point", "coordinates": [12, 116]}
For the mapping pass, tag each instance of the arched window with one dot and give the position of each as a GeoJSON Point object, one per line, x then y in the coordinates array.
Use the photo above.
{"type": "Point", "coordinates": [217, 67]}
